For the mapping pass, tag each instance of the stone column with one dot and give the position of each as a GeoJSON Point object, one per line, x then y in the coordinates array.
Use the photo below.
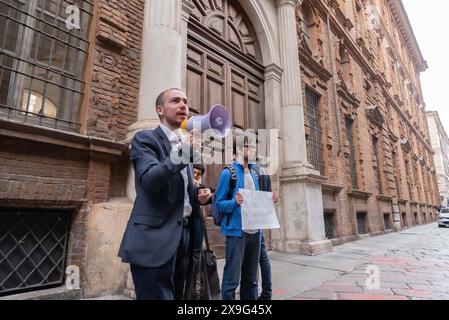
{"type": "Point", "coordinates": [301, 219]}
{"type": "Point", "coordinates": [163, 62]}
{"type": "Point", "coordinates": [162, 57]}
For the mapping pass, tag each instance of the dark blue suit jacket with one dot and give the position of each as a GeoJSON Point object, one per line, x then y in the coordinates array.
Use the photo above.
{"type": "Point", "coordinates": [154, 229]}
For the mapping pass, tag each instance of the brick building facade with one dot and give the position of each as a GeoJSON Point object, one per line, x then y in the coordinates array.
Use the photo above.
{"type": "Point", "coordinates": [366, 129]}
{"type": "Point", "coordinates": [70, 103]}
{"type": "Point", "coordinates": [62, 161]}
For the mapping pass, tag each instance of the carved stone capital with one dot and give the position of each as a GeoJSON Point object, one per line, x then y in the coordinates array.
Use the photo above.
{"type": "Point", "coordinates": [292, 3]}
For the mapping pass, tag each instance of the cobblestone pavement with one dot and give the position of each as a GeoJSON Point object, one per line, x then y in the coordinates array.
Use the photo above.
{"type": "Point", "coordinates": [410, 264]}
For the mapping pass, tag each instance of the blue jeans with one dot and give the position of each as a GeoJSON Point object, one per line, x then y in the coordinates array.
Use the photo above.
{"type": "Point", "coordinates": [265, 270]}
{"type": "Point", "coordinates": [242, 257]}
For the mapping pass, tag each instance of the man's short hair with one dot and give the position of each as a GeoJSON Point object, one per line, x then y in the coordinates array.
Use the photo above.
{"type": "Point", "coordinates": [160, 97]}
{"type": "Point", "coordinates": [199, 167]}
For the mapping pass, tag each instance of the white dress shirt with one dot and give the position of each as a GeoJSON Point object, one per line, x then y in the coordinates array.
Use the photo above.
{"type": "Point", "coordinates": [176, 140]}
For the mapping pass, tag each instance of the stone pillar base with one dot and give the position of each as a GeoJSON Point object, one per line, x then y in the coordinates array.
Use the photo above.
{"type": "Point", "coordinates": [106, 273]}
{"type": "Point", "coordinates": [397, 226]}
{"type": "Point", "coordinates": [309, 248]}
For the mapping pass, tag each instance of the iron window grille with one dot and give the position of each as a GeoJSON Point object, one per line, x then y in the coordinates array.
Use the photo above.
{"type": "Point", "coordinates": [42, 58]}
{"type": "Point", "coordinates": [329, 225]}
{"type": "Point", "coordinates": [352, 162]}
{"type": "Point", "coordinates": [361, 222]}
{"type": "Point", "coordinates": [314, 139]}
{"type": "Point", "coordinates": [32, 249]}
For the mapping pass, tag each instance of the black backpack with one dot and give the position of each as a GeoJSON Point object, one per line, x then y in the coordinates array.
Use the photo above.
{"type": "Point", "coordinates": [216, 214]}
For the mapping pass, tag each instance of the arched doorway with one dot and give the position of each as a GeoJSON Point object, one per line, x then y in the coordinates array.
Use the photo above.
{"type": "Point", "coordinates": [224, 65]}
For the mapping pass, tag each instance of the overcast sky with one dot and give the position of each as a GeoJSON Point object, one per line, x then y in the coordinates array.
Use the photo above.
{"type": "Point", "coordinates": [430, 22]}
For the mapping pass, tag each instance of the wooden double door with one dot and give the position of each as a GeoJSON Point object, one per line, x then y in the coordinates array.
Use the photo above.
{"type": "Point", "coordinates": [224, 67]}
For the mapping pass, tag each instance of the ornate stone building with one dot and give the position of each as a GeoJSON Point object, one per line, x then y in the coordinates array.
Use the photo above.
{"type": "Point", "coordinates": [354, 150]}
{"type": "Point", "coordinates": [440, 145]}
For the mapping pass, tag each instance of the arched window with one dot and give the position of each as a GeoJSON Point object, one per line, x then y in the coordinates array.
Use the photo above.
{"type": "Point", "coordinates": [35, 103]}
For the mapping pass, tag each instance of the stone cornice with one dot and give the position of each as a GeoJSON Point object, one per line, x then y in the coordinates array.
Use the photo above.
{"type": "Point", "coordinates": [61, 138]}
{"type": "Point", "coordinates": [359, 194]}
{"type": "Point", "coordinates": [307, 60]}
{"type": "Point", "coordinates": [401, 18]}
{"type": "Point", "coordinates": [346, 95]}
{"type": "Point", "coordinates": [292, 3]}
{"type": "Point", "coordinates": [384, 197]}
{"type": "Point", "coordinates": [331, 187]}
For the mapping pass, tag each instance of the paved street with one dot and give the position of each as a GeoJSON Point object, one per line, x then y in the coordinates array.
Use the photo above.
{"type": "Point", "coordinates": [411, 264]}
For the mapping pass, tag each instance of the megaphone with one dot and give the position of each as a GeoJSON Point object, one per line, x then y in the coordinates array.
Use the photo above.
{"type": "Point", "coordinates": [217, 118]}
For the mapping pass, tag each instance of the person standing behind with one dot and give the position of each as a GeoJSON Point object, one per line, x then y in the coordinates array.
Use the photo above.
{"type": "Point", "coordinates": [198, 172]}
{"type": "Point", "coordinates": [242, 246]}
{"type": "Point", "coordinates": [264, 260]}
{"type": "Point", "coordinates": [156, 242]}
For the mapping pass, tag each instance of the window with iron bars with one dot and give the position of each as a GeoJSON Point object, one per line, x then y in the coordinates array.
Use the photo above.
{"type": "Point", "coordinates": [352, 163]}
{"type": "Point", "coordinates": [43, 50]}
{"type": "Point", "coordinates": [33, 246]}
{"type": "Point", "coordinates": [329, 224]}
{"type": "Point", "coordinates": [314, 139]}
{"type": "Point", "coordinates": [376, 155]}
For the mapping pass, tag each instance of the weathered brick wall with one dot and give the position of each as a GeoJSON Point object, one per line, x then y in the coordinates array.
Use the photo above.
{"type": "Point", "coordinates": [32, 171]}
{"type": "Point", "coordinates": [116, 69]}
{"type": "Point", "coordinates": [119, 176]}
{"type": "Point", "coordinates": [97, 184]}
{"type": "Point", "coordinates": [35, 175]}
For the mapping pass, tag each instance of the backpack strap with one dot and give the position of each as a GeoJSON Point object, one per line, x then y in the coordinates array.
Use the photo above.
{"type": "Point", "coordinates": [233, 178]}
{"type": "Point", "coordinates": [232, 184]}
{"type": "Point", "coordinates": [256, 175]}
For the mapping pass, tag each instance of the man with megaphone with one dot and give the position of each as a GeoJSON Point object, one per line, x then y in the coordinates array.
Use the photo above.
{"type": "Point", "coordinates": [161, 228]}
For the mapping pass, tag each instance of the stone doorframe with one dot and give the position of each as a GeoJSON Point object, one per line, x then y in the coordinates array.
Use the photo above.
{"type": "Point", "coordinates": [301, 210]}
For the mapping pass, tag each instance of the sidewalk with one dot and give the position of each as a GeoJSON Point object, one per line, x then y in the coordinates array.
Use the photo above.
{"type": "Point", "coordinates": [411, 264]}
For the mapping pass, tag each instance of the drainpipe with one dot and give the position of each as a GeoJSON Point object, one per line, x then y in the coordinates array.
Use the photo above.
{"type": "Point", "coordinates": [334, 86]}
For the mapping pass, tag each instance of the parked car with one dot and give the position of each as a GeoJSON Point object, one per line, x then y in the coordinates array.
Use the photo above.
{"type": "Point", "coordinates": [443, 218]}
